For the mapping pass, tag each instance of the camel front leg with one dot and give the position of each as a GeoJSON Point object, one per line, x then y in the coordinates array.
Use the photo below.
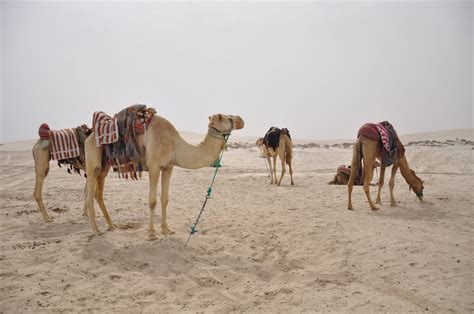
{"type": "Point", "coordinates": [41, 173]}
{"type": "Point", "coordinates": [165, 185]}
{"type": "Point", "coordinates": [100, 199]}
{"type": "Point", "coordinates": [378, 199]}
{"type": "Point", "coordinates": [91, 187]}
{"type": "Point", "coordinates": [283, 170]}
{"type": "Point", "coordinates": [391, 184]}
{"type": "Point", "coordinates": [154, 174]}
{"type": "Point", "coordinates": [271, 169]}
{"type": "Point", "coordinates": [368, 173]}
{"type": "Point", "coordinates": [275, 169]}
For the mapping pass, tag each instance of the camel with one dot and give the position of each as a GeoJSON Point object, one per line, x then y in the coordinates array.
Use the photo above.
{"type": "Point", "coordinates": [263, 153]}
{"type": "Point", "coordinates": [283, 148]}
{"type": "Point", "coordinates": [41, 156]}
{"type": "Point", "coordinates": [161, 148]}
{"type": "Point", "coordinates": [343, 173]}
{"type": "Point", "coordinates": [368, 149]}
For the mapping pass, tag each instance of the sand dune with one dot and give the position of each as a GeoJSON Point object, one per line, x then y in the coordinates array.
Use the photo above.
{"type": "Point", "coordinates": [259, 248]}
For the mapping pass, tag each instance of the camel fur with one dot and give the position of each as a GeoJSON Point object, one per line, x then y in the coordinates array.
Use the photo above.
{"type": "Point", "coordinates": [161, 148]}
{"type": "Point", "coordinates": [369, 150]}
{"type": "Point", "coordinates": [42, 156]}
{"type": "Point", "coordinates": [284, 150]}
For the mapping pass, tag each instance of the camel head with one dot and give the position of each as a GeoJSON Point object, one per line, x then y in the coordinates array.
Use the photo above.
{"type": "Point", "coordinates": [225, 124]}
{"type": "Point", "coordinates": [259, 142]}
{"type": "Point", "coordinates": [416, 185]}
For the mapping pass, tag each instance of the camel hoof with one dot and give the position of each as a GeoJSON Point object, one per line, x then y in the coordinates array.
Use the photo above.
{"type": "Point", "coordinates": [48, 219]}
{"type": "Point", "coordinates": [292, 183]}
{"type": "Point", "coordinates": [152, 236]}
{"type": "Point", "coordinates": [375, 208]}
{"type": "Point", "coordinates": [166, 231]}
{"type": "Point", "coordinates": [113, 227]}
{"type": "Point", "coordinates": [350, 208]}
{"type": "Point", "coordinates": [394, 204]}
{"type": "Point", "coordinates": [378, 202]}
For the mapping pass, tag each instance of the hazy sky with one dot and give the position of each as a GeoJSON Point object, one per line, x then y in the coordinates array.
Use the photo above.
{"type": "Point", "coordinates": [320, 69]}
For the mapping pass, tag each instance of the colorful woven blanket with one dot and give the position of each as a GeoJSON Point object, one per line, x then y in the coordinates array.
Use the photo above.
{"type": "Point", "coordinates": [105, 128]}
{"type": "Point", "coordinates": [66, 145]}
{"type": "Point", "coordinates": [118, 137]}
{"type": "Point", "coordinates": [63, 144]}
{"type": "Point", "coordinates": [385, 133]}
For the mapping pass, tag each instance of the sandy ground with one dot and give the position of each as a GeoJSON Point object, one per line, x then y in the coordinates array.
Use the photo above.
{"type": "Point", "coordinates": [259, 248]}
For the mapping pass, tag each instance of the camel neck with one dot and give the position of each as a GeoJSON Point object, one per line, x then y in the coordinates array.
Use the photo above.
{"type": "Point", "coordinates": [198, 156]}
{"type": "Point", "coordinates": [406, 171]}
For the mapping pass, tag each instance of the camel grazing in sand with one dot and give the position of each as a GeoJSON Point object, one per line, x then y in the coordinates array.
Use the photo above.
{"type": "Point", "coordinates": [42, 155]}
{"type": "Point", "coordinates": [277, 143]}
{"type": "Point", "coordinates": [343, 174]}
{"type": "Point", "coordinates": [161, 148]}
{"type": "Point", "coordinates": [368, 149]}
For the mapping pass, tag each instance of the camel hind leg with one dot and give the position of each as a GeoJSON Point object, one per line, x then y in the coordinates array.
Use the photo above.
{"type": "Point", "coordinates": [378, 199]}
{"type": "Point", "coordinates": [99, 196]}
{"type": "Point", "coordinates": [41, 158]}
{"type": "Point", "coordinates": [368, 173]}
{"type": "Point", "coordinates": [41, 173]}
{"type": "Point", "coordinates": [283, 168]}
{"type": "Point", "coordinates": [356, 157]}
{"type": "Point", "coordinates": [291, 172]}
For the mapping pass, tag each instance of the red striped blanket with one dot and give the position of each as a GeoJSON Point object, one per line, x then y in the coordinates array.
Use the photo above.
{"type": "Point", "coordinates": [105, 128]}
{"type": "Point", "coordinates": [63, 144]}
{"type": "Point", "coordinates": [375, 131]}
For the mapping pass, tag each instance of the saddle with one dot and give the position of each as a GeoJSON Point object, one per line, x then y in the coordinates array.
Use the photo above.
{"type": "Point", "coordinates": [118, 136]}
{"type": "Point", "coordinates": [386, 134]}
{"type": "Point", "coordinates": [272, 137]}
{"type": "Point", "coordinates": [66, 145]}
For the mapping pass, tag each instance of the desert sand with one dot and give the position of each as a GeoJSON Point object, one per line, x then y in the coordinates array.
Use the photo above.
{"type": "Point", "coordinates": [260, 248]}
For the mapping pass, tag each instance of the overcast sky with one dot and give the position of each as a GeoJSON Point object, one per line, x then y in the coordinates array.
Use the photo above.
{"type": "Point", "coordinates": [320, 69]}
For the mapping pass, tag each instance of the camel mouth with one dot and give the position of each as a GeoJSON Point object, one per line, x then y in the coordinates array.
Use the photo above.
{"type": "Point", "coordinates": [238, 122]}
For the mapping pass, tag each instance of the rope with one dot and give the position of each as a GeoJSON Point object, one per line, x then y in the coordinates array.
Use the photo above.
{"type": "Point", "coordinates": [209, 191]}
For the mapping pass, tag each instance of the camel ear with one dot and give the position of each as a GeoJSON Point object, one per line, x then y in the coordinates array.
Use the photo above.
{"type": "Point", "coordinates": [210, 118]}
{"type": "Point", "coordinates": [219, 116]}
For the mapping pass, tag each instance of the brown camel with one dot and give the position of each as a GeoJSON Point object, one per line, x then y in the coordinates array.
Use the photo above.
{"type": "Point", "coordinates": [42, 155]}
{"type": "Point", "coordinates": [369, 149]}
{"type": "Point", "coordinates": [277, 146]}
{"type": "Point", "coordinates": [343, 173]}
{"type": "Point", "coordinates": [161, 148]}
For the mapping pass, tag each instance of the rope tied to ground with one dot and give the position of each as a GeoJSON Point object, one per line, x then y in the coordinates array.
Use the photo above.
{"type": "Point", "coordinates": [209, 192]}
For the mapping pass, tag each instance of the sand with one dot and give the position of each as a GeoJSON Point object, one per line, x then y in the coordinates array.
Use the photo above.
{"type": "Point", "coordinates": [259, 248]}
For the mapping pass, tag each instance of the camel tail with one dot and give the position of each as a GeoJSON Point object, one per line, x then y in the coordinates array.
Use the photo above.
{"type": "Point", "coordinates": [357, 156]}
{"type": "Point", "coordinates": [288, 151]}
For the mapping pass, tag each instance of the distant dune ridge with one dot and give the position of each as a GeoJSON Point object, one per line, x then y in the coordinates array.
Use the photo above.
{"type": "Point", "coordinates": [259, 248]}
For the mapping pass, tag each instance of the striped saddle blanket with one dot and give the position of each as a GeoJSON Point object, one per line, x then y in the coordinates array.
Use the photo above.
{"type": "Point", "coordinates": [63, 144]}
{"type": "Point", "coordinates": [385, 133]}
{"type": "Point", "coordinates": [105, 128]}
{"type": "Point", "coordinates": [66, 145]}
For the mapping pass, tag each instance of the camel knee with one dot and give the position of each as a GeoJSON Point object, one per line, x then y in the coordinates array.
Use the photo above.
{"type": "Point", "coordinates": [153, 205]}
{"type": "Point", "coordinates": [391, 184]}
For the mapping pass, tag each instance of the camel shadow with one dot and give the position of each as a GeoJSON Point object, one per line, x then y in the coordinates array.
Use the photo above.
{"type": "Point", "coordinates": [422, 211]}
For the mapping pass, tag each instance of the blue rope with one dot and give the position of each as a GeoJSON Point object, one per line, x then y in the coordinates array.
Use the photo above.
{"type": "Point", "coordinates": [208, 194]}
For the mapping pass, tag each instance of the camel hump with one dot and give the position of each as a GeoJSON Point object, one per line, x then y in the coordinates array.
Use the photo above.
{"type": "Point", "coordinates": [286, 132]}
{"type": "Point", "coordinates": [43, 131]}
{"type": "Point", "coordinates": [272, 137]}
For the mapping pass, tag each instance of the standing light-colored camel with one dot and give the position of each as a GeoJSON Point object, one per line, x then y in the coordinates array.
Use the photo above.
{"type": "Point", "coordinates": [368, 150]}
{"type": "Point", "coordinates": [277, 143]}
{"type": "Point", "coordinates": [42, 156]}
{"type": "Point", "coordinates": [161, 148]}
